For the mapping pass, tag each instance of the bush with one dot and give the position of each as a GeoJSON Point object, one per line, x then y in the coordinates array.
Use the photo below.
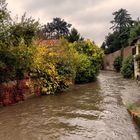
{"type": "Point", "coordinates": [14, 62]}
{"type": "Point", "coordinates": [89, 61]}
{"type": "Point", "coordinates": [85, 72]}
{"type": "Point", "coordinates": [127, 69]}
{"type": "Point", "coordinates": [117, 63]}
{"type": "Point", "coordinates": [54, 67]}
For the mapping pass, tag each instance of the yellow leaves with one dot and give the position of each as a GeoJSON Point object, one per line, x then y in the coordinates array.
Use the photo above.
{"type": "Point", "coordinates": [56, 66]}
{"type": "Point", "coordinates": [39, 57]}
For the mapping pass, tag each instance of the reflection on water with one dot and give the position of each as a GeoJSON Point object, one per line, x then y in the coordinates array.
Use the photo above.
{"type": "Point", "coordinates": [84, 112]}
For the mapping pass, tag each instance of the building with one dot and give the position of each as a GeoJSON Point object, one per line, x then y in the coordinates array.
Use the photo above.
{"type": "Point", "coordinates": [133, 49]}
{"type": "Point", "coordinates": [136, 52]}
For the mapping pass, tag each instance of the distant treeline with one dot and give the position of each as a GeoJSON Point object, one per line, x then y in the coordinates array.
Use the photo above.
{"type": "Point", "coordinates": [125, 30]}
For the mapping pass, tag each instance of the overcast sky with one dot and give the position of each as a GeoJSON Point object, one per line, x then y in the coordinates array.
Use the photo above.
{"type": "Point", "coordinates": [91, 17]}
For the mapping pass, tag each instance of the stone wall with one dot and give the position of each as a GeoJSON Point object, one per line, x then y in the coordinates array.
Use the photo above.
{"type": "Point", "coordinates": [109, 58]}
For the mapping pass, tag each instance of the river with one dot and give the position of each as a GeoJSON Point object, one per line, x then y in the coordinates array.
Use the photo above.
{"type": "Point", "coordinates": [91, 111]}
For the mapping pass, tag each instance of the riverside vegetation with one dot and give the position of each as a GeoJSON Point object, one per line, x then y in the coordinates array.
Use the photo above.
{"type": "Point", "coordinates": [54, 67]}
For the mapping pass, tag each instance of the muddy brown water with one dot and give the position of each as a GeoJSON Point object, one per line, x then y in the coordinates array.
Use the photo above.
{"type": "Point", "coordinates": [85, 112]}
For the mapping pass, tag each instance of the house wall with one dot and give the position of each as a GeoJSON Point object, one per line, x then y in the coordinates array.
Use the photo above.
{"type": "Point", "coordinates": [136, 68]}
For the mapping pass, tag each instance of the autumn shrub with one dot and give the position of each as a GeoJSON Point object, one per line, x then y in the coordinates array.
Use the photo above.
{"type": "Point", "coordinates": [54, 66]}
{"type": "Point", "coordinates": [127, 69]}
{"type": "Point", "coordinates": [117, 63]}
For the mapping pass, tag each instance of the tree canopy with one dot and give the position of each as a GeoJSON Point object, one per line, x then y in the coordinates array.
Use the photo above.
{"type": "Point", "coordinates": [122, 20]}
{"type": "Point", "coordinates": [121, 25]}
{"type": "Point", "coordinates": [134, 31]}
{"type": "Point", "coordinates": [74, 36]}
{"type": "Point", "coordinates": [56, 29]}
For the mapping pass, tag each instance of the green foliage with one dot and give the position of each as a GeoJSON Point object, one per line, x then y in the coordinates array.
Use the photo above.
{"type": "Point", "coordinates": [24, 31]}
{"type": "Point", "coordinates": [122, 20]}
{"type": "Point", "coordinates": [117, 63]}
{"type": "Point", "coordinates": [14, 62]}
{"type": "Point", "coordinates": [56, 29]}
{"type": "Point", "coordinates": [118, 39]}
{"type": "Point", "coordinates": [112, 42]}
{"type": "Point", "coordinates": [5, 22]}
{"type": "Point", "coordinates": [15, 57]}
{"type": "Point", "coordinates": [85, 71]}
{"type": "Point", "coordinates": [135, 31]}
{"type": "Point", "coordinates": [74, 36]}
{"type": "Point", "coordinates": [90, 60]}
{"type": "Point", "coordinates": [54, 68]}
{"type": "Point", "coordinates": [127, 69]}
{"type": "Point", "coordinates": [103, 46]}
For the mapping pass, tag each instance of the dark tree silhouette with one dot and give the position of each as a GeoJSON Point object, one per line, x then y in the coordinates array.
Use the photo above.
{"type": "Point", "coordinates": [56, 29]}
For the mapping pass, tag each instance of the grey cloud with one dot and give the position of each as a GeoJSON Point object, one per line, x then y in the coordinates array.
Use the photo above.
{"type": "Point", "coordinates": [91, 17]}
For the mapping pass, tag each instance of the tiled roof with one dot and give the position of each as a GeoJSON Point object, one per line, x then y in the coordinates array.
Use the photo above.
{"type": "Point", "coordinates": [48, 42]}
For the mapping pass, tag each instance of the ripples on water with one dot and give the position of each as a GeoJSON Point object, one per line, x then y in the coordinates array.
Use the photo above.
{"type": "Point", "coordinates": [85, 112]}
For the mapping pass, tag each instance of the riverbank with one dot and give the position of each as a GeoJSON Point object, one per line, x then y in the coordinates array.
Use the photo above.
{"type": "Point", "coordinates": [130, 95]}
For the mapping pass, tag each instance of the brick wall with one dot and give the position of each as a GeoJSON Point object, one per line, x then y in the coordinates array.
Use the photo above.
{"type": "Point", "coordinates": [109, 58]}
{"type": "Point", "coordinates": [128, 51]}
{"type": "Point", "coordinates": [16, 91]}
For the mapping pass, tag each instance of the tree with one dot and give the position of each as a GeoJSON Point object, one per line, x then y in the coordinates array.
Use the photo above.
{"type": "Point", "coordinates": [24, 31]}
{"type": "Point", "coordinates": [74, 36]}
{"type": "Point", "coordinates": [122, 20]}
{"type": "Point", "coordinates": [112, 42]}
{"type": "Point", "coordinates": [4, 13]}
{"type": "Point", "coordinates": [122, 23]}
{"type": "Point", "coordinates": [134, 31]}
{"type": "Point", "coordinates": [103, 46]}
{"type": "Point", "coordinates": [5, 22]}
{"type": "Point", "coordinates": [56, 29]}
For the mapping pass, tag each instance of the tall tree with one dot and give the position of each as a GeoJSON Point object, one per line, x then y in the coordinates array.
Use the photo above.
{"type": "Point", "coordinates": [118, 39]}
{"type": "Point", "coordinates": [122, 20]}
{"type": "Point", "coordinates": [56, 29]}
{"type": "Point", "coordinates": [122, 23]}
{"type": "Point", "coordinates": [74, 35]}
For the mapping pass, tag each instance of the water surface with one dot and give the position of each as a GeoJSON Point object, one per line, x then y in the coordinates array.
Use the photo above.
{"type": "Point", "coordinates": [85, 112]}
